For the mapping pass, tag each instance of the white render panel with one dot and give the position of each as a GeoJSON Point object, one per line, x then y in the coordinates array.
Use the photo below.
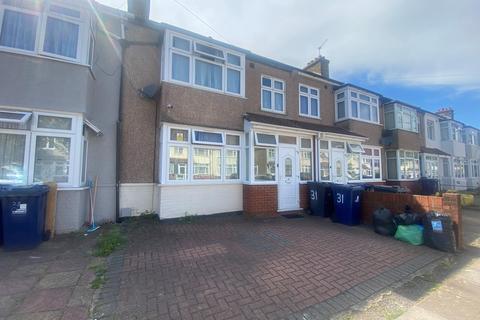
{"type": "Point", "coordinates": [179, 200]}
{"type": "Point", "coordinates": [136, 198]}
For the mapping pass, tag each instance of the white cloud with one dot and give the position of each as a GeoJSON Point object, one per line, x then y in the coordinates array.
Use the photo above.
{"type": "Point", "coordinates": [407, 42]}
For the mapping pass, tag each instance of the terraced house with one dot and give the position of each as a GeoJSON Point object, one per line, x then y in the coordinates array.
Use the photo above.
{"type": "Point", "coordinates": [192, 125]}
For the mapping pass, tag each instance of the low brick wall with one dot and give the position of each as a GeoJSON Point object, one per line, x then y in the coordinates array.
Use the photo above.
{"type": "Point", "coordinates": [260, 200]}
{"type": "Point", "coordinates": [414, 186]}
{"type": "Point", "coordinates": [304, 197]}
{"type": "Point", "coordinates": [395, 202]}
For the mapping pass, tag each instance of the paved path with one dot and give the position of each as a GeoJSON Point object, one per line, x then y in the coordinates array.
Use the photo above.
{"type": "Point", "coordinates": [229, 267]}
{"type": "Point", "coordinates": [48, 283]}
{"type": "Point", "coordinates": [457, 297]}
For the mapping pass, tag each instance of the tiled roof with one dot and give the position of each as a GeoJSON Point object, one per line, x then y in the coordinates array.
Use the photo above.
{"type": "Point", "coordinates": [298, 124]}
{"type": "Point", "coordinates": [433, 151]}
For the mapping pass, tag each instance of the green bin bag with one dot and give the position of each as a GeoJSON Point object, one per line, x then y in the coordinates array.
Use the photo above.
{"type": "Point", "coordinates": [412, 234]}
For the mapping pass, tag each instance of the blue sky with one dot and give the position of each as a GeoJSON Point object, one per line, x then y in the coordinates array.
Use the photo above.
{"type": "Point", "coordinates": [426, 53]}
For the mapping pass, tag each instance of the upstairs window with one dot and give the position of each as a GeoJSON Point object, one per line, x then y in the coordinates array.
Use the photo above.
{"type": "Point", "coordinates": [400, 117]}
{"type": "Point", "coordinates": [431, 130]}
{"type": "Point", "coordinates": [46, 29]}
{"type": "Point", "coordinates": [273, 94]}
{"type": "Point", "coordinates": [356, 104]}
{"type": "Point", "coordinates": [203, 65]}
{"type": "Point", "coordinates": [309, 105]}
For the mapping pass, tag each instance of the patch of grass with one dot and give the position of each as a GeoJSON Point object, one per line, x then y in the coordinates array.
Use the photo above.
{"type": "Point", "coordinates": [109, 242]}
{"type": "Point", "coordinates": [100, 278]}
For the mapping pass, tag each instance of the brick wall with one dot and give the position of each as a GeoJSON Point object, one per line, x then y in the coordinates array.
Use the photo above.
{"type": "Point", "coordinates": [395, 202]}
{"type": "Point", "coordinates": [304, 196]}
{"type": "Point", "coordinates": [260, 200]}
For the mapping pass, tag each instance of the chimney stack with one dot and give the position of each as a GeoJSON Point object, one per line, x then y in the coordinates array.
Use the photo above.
{"type": "Point", "coordinates": [446, 112]}
{"type": "Point", "coordinates": [139, 8]}
{"type": "Point", "coordinates": [319, 66]}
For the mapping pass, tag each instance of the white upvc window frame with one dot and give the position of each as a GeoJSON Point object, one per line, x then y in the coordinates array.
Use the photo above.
{"type": "Point", "coordinates": [350, 95]}
{"type": "Point", "coordinates": [76, 141]}
{"type": "Point", "coordinates": [190, 145]}
{"type": "Point", "coordinates": [312, 159]}
{"type": "Point", "coordinates": [25, 118]}
{"type": "Point", "coordinates": [195, 141]}
{"type": "Point", "coordinates": [373, 158]}
{"type": "Point", "coordinates": [430, 128]}
{"type": "Point", "coordinates": [26, 152]}
{"type": "Point", "coordinates": [262, 144]}
{"type": "Point", "coordinates": [429, 161]}
{"type": "Point", "coordinates": [475, 168]}
{"type": "Point", "coordinates": [273, 90]}
{"type": "Point", "coordinates": [193, 55]}
{"type": "Point", "coordinates": [84, 23]}
{"type": "Point", "coordinates": [399, 111]}
{"type": "Point", "coordinates": [309, 97]}
{"type": "Point", "coordinates": [399, 158]}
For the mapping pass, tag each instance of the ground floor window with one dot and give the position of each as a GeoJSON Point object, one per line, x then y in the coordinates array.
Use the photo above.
{"type": "Point", "coordinates": [43, 148]}
{"type": "Point", "coordinates": [264, 164]}
{"type": "Point", "coordinates": [371, 164]}
{"type": "Point", "coordinates": [197, 154]}
{"type": "Point", "coordinates": [353, 166]}
{"type": "Point", "coordinates": [446, 167]}
{"type": "Point", "coordinates": [306, 161]}
{"type": "Point", "coordinates": [403, 165]}
{"type": "Point", "coordinates": [324, 159]}
{"type": "Point", "coordinates": [459, 167]}
{"type": "Point", "coordinates": [475, 168]}
{"type": "Point", "coordinates": [431, 166]}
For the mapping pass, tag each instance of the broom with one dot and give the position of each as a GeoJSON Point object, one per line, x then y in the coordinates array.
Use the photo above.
{"type": "Point", "coordinates": [93, 199]}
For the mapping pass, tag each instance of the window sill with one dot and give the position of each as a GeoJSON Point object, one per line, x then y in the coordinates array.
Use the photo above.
{"type": "Point", "coordinates": [309, 117]}
{"type": "Point", "coordinates": [273, 111]}
{"type": "Point", "coordinates": [200, 183]}
{"type": "Point", "coordinates": [359, 120]}
{"type": "Point", "coordinates": [39, 56]}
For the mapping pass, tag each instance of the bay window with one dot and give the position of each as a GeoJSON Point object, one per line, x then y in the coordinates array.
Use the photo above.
{"type": "Point", "coordinates": [431, 130]}
{"type": "Point", "coordinates": [403, 165]}
{"type": "Point", "coordinates": [196, 155]}
{"type": "Point", "coordinates": [356, 104]}
{"type": "Point", "coordinates": [353, 166]}
{"type": "Point", "coordinates": [401, 117]}
{"type": "Point", "coordinates": [45, 147]}
{"type": "Point", "coordinates": [273, 94]}
{"type": "Point", "coordinates": [190, 61]}
{"type": "Point", "coordinates": [47, 28]}
{"type": "Point", "coordinates": [309, 101]}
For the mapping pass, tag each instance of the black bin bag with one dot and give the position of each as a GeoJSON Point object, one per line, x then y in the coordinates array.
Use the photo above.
{"type": "Point", "coordinates": [438, 232]}
{"type": "Point", "coordinates": [383, 222]}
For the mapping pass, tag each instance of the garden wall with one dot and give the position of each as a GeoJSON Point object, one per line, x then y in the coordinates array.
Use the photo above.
{"type": "Point", "coordinates": [449, 204]}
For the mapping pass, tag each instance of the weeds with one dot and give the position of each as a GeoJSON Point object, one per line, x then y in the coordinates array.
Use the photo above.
{"type": "Point", "coordinates": [108, 242]}
{"type": "Point", "coordinates": [187, 218]}
{"type": "Point", "coordinates": [100, 278]}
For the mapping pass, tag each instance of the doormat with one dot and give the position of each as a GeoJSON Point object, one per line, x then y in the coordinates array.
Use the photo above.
{"type": "Point", "coordinates": [293, 216]}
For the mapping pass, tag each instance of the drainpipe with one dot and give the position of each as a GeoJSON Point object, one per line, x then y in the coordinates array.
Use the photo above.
{"type": "Point", "coordinates": [118, 141]}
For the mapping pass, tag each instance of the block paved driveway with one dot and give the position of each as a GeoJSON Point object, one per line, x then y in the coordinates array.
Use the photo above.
{"type": "Point", "coordinates": [230, 267]}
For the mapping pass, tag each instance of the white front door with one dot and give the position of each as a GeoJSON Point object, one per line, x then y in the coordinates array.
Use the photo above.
{"type": "Point", "coordinates": [287, 179]}
{"type": "Point", "coordinates": [338, 167]}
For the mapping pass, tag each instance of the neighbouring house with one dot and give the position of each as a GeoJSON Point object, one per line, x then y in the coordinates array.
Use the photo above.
{"type": "Point", "coordinates": [182, 124]}
{"type": "Point", "coordinates": [59, 97]}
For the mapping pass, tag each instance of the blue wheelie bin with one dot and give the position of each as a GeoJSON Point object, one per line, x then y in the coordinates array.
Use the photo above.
{"type": "Point", "coordinates": [347, 202]}
{"type": "Point", "coordinates": [23, 215]}
{"type": "Point", "coordinates": [320, 194]}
